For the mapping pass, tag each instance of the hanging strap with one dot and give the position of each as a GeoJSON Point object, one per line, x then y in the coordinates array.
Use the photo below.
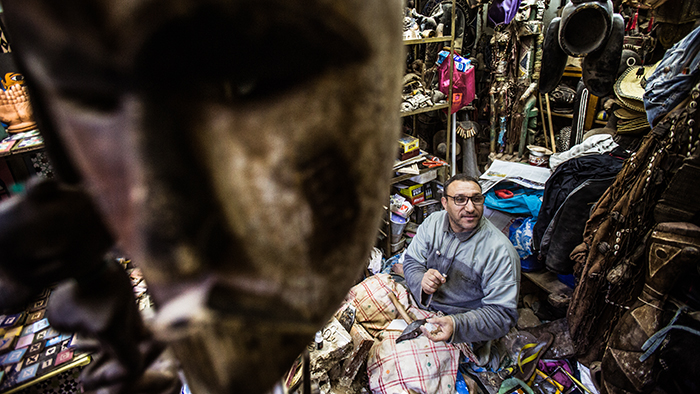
{"type": "Point", "coordinates": [655, 340]}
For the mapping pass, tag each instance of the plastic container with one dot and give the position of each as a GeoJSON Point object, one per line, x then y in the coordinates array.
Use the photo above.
{"type": "Point", "coordinates": [568, 279]}
{"type": "Point", "coordinates": [539, 156]}
{"type": "Point", "coordinates": [395, 247]}
{"type": "Point", "coordinates": [398, 224]}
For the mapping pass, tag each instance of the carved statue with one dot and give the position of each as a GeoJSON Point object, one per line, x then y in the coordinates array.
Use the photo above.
{"type": "Point", "coordinates": [238, 151]}
{"type": "Point", "coordinates": [673, 248]}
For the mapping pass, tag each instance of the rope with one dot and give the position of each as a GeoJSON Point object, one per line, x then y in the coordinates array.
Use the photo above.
{"type": "Point", "coordinates": [655, 340]}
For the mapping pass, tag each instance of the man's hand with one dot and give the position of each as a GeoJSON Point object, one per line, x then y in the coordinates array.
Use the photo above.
{"type": "Point", "coordinates": [444, 326]}
{"type": "Point", "coordinates": [432, 280]}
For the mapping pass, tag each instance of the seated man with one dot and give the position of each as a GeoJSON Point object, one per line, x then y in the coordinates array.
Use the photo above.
{"type": "Point", "coordinates": [462, 265]}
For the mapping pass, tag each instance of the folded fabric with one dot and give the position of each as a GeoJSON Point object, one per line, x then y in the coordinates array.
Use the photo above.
{"type": "Point", "coordinates": [525, 201]}
{"type": "Point", "coordinates": [419, 365]}
{"type": "Point", "coordinates": [595, 144]}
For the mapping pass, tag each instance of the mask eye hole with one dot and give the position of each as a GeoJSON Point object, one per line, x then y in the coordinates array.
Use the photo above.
{"type": "Point", "coordinates": [253, 51]}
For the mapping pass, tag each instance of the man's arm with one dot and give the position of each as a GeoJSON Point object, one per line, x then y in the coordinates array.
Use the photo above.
{"type": "Point", "coordinates": [482, 324]}
{"type": "Point", "coordinates": [501, 284]}
{"type": "Point", "coordinates": [415, 262]}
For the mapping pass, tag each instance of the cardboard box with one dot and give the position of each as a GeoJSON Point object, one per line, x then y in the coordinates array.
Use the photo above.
{"type": "Point", "coordinates": [425, 208]}
{"type": "Point", "coordinates": [409, 155]}
{"type": "Point", "coordinates": [432, 191]}
{"type": "Point", "coordinates": [407, 144]}
{"type": "Point", "coordinates": [413, 193]}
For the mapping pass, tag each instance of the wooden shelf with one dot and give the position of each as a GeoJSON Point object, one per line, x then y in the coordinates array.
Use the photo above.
{"type": "Point", "coordinates": [426, 109]}
{"type": "Point", "coordinates": [548, 282]}
{"type": "Point", "coordinates": [426, 40]}
{"type": "Point", "coordinates": [403, 177]}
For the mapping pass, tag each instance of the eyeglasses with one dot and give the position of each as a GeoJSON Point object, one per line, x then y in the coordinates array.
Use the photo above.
{"type": "Point", "coordinates": [477, 199]}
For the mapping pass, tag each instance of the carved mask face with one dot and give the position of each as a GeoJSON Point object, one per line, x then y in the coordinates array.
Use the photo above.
{"type": "Point", "coordinates": [240, 151]}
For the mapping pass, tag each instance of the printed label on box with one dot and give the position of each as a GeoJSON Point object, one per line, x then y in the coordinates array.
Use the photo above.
{"type": "Point", "coordinates": [36, 316]}
{"type": "Point", "coordinates": [10, 320]}
{"type": "Point", "coordinates": [36, 347]}
{"type": "Point", "coordinates": [46, 364]}
{"type": "Point", "coordinates": [14, 356]}
{"type": "Point", "coordinates": [50, 351]}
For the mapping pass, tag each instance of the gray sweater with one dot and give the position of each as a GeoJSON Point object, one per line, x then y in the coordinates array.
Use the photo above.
{"type": "Point", "coordinates": [483, 276]}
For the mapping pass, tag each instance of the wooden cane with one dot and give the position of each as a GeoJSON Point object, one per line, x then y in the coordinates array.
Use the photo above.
{"type": "Point", "coordinates": [400, 308]}
{"type": "Point", "coordinates": [544, 124]}
{"type": "Point", "coordinates": [551, 127]}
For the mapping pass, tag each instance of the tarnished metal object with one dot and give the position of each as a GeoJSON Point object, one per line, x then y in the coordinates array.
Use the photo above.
{"type": "Point", "coordinates": [412, 331]}
{"type": "Point", "coordinates": [238, 150]}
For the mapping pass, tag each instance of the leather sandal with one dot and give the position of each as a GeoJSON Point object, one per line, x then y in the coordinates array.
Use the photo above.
{"type": "Point", "coordinates": [530, 354]}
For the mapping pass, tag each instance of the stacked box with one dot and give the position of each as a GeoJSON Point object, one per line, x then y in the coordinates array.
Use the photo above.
{"type": "Point", "coordinates": [425, 208]}
{"type": "Point", "coordinates": [408, 144]}
{"type": "Point", "coordinates": [413, 193]}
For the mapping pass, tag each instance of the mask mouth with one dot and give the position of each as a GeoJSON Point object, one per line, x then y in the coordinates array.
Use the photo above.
{"type": "Point", "coordinates": [226, 344]}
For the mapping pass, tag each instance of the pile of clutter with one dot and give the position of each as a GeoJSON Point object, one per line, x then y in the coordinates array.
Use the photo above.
{"type": "Point", "coordinates": [417, 26]}
{"type": "Point", "coordinates": [416, 95]}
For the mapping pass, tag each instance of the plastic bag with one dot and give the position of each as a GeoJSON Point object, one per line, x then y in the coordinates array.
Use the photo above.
{"type": "Point", "coordinates": [521, 236]}
{"type": "Point", "coordinates": [463, 85]}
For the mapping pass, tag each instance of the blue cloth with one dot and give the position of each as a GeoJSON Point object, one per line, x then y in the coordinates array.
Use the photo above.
{"type": "Point", "coordinates": [673, 78]}
{"type": "Point", "coordinates": [525, 201]}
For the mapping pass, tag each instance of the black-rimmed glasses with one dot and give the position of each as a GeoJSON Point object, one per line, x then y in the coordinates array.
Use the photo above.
{"type": "Point", "coordinates": [477, 199]}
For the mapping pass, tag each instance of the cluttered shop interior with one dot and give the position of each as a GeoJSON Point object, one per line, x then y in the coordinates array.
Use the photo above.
{"type": "Point", "coordinates": [344, 197]}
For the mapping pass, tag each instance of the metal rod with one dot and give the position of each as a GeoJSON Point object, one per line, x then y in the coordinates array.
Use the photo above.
{"type": "Point", "coordinates": [306, 371]}
{"type": "Point", "coordinates": [453, 153]}
{"type": "Point", "coordinates": [451, 65]}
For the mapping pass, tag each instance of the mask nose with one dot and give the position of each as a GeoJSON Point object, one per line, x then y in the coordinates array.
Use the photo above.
{"type": "Point", "coordinates": [180, 315]}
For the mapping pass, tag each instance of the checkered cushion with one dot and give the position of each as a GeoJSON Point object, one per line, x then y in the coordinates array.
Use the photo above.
{"type": "Point", "coordinates": [374, 308]}
{"type": "Point", "coordinates": [419, 365]}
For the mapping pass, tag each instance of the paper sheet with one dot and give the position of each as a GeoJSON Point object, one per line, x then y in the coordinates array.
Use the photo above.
{"type": "Point", "coordinates": [522, 174]}
{"type": "Point", "coordinates": [501, 220]}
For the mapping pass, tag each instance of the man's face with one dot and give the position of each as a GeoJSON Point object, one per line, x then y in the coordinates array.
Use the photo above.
{"type": "Point", "coordinates": [466, 217]}
{"type": "Point", "coordinates": [238, 149]}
